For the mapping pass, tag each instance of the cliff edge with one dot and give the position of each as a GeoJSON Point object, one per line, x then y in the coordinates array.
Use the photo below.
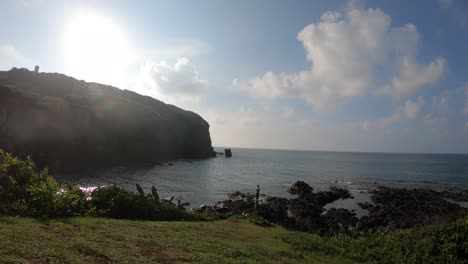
{"type": "Point", "coordinates": [66, 123]}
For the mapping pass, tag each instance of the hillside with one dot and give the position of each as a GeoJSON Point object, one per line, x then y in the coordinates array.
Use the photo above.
{"type": "Point", "coordinates": [66, 123]}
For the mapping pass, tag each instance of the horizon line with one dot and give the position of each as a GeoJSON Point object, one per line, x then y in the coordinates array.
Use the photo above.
{"type": "Point", "coordinates": [347, 151]}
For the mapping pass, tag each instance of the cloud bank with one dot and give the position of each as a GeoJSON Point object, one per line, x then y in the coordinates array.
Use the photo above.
{"type": "Point", "coordinates": [351, 54]}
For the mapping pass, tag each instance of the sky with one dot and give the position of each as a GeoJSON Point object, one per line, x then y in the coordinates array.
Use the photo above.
{"type": "Point", "coordinates": [370, 76]}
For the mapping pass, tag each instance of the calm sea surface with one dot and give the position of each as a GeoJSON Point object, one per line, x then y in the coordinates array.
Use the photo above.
{"type": "Point", "coordinates": [208, 181]}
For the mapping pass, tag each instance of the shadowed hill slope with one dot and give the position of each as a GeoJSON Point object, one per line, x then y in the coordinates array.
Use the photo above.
{"type": "Point", "coordinates": [70, 124]}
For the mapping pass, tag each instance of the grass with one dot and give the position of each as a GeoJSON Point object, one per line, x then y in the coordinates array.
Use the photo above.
{"type": "Point", "coordinates": [102, 240]}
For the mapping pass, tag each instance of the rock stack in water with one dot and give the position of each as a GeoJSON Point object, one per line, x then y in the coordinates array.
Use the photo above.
{"type": "Point", "coordinates": [227, 153]}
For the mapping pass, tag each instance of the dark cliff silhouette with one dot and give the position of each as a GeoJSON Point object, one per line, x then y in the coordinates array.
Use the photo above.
{"type": "Point", "coordinates": [66, 123]}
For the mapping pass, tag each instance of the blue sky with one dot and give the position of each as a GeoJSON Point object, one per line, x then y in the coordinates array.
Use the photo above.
{"type": "Point", "coordinates": [381, 76]}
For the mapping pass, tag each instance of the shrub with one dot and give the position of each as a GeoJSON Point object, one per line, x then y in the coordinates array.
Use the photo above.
{"type": "Point", "coordinates": [432, 244]}
{"type": "Point", "coordinates": [72, 201]}
{"type": "Point", "coordinates": [115, 202]}
{"type": "Point", "coordinates": [23, 190]}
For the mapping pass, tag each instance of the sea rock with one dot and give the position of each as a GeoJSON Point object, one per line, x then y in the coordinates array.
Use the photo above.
{"type": "Point", "coordinates": [406, 208]}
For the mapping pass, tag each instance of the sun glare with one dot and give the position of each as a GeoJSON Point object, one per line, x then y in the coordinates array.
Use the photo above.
{"type": "Point", "coordinates": [94, 47]}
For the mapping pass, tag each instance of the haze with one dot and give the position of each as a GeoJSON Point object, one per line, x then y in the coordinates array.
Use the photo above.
{"type": "Point", "coordinates": [380, 76]}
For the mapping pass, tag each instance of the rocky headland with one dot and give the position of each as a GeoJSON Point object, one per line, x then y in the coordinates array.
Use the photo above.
{"type": "Point", "coordinates": [69, 124]}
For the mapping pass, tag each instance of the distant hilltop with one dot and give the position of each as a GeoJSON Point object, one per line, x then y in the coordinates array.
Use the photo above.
{"type": "Point", "coordinates": [68, 124]}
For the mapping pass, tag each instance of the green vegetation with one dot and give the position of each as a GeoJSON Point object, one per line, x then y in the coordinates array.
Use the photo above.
{"type": "Point", "coordinates": [433, 244]}
{"type": "Point", "coordinates": [27, 192]}
{"type": "Point", "coordinates": [57, 236]}
{"type": "Point", "coordinates": [101, 240]}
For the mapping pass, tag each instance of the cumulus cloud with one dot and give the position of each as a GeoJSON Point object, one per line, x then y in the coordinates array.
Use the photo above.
{"type": "Point", "coordinates": [409, 110]}
{"type": "Point", "coordinates": [412, 108]}
{"type": "Point", "coordinates": [413, 76]}
{"type": "Point", "coordinates": [180, 80]}
{"type": "Point", "coordinates": [441, 102]}
{"type": "Point", "coordinates": [388, 120]}
{"type": "Point", "coordinates": [347, 51]}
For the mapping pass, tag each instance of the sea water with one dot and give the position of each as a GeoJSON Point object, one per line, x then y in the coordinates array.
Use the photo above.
{"type": "Point", "coordinates": [209, 180]}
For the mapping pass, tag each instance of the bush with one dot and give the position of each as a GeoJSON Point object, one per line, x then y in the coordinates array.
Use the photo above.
{"type": "Point", "coordinates": [433, 244]}
{"type": "Point", "coordinates": [23, 191]}
{"type": "Point", "coordinates": [115, 202]}
{"type": "Point", "coordinates": [72, 201]}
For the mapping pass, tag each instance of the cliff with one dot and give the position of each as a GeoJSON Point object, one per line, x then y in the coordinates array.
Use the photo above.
{"type": "Point", "coordinates": [71, 124]}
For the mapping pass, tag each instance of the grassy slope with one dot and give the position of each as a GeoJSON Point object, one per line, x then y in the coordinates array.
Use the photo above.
{"type": "Point", "coordinates": [99, 240]}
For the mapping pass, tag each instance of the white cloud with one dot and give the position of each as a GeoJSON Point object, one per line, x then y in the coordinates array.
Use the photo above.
{"type": "Point", "coordinates": [388, 120]}
{"type": "Point", "coordinates": [442, 101]}
{"type": "Point", "coordinates": [11, 57]}
{"type": "Point", "coordinates": [413, 76]}
{"type": "Point", "coordinates": [409, 110]}
{"type": "Point", "coordinates": [346, 53]}
{"type": "Point", "coordinates": [244, 116]}
{"type": "Point", "coordinates": [412, 108]}
{"type": "Point", "coordinates": [180, 80]}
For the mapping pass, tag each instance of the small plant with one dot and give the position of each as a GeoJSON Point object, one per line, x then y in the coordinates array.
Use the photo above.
{"type": "Point", "coordinates": [155, 194]}
{"type": "Point", "coordinates": [260, 221]}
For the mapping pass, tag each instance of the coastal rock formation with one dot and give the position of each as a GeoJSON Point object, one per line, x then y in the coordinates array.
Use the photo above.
{"type": "Point", "coordinates": [405, 208]}
{"type": "Point", "coordinates": [305, 213]}
{"type": "Point", "coordinates": [394, 208]}
{"type": "Point", "coordinates": [67, 124]}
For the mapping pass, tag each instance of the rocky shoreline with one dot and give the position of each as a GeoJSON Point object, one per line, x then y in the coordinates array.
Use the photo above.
{"type": "Point", "coordinates": [393, 208]}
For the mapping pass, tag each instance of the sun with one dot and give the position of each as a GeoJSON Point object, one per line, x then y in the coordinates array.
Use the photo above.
{"type": "Point", "coordinates": [94, 47]}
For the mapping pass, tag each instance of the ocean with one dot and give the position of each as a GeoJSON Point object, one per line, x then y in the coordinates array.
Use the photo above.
{"type": "Point", "coordinates": [209, 180]}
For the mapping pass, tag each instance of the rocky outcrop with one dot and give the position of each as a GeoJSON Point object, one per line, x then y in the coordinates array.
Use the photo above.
{"type": "Point", "coordinates": [406, 208]}
{"type": "Point", "coordinates": [305, 213]}
{"type": "Point", "coordinates": [393, 208]}
{"type": "Point", "coordinates": [71, 124]}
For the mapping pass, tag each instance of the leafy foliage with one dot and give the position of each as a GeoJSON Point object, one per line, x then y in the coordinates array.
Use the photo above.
{"type": "Point", "coordinates": [433, 244]}
{"type": "Point", "coordinates": [116, 202]}
{"type": "Point", "coordinates": [23, 191]}
{"type": "Point", "coordinates": [27, 192]}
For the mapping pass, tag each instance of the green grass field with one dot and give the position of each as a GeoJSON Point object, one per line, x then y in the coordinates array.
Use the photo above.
{"type": "Point", "coordinates": [102, 240]}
